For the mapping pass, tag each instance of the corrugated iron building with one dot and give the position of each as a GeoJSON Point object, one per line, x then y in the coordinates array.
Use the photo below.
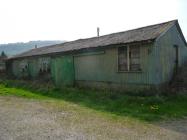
{"type": "Point", "coordinates": [142, 57]}
{"type": "Point", "coordinates": [2, 63]}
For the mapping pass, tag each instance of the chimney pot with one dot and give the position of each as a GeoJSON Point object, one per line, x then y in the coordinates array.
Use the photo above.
{"type": "Point", "coordinates": [98, 30]}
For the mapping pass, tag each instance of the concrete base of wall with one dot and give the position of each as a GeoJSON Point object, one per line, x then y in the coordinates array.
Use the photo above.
{"type": "Point", "coordinates": [113, 86]}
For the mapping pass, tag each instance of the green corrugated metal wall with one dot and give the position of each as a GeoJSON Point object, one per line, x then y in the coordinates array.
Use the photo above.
{"type": "Point", "coordinates": [33, 68]}
{"type": "Point", "coordinates": [157, 60]}
{"type": "Point", "coordinates": [166, 53]}
{"type": "Point", "coordinates": [103, 68]}
{"type": "Point", "coordinates": [17, 71]}
{"type": "Point", "coordinates": [62, 71]}
{"type": "Point", "coordinates": [157, 63]}
{"type": "Point", "coordinates": [33, 65]}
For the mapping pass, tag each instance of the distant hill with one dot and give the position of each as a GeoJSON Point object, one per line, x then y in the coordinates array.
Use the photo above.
{"type": "Point", "coordinates": [16, 48]}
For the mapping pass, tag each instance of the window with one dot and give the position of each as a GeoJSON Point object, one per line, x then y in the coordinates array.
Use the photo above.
{"type": "Point", "coordinates": [134, 57]}
{"type": "Point", "coordinates": [122, 59]}
{"type": "Point", "coordinates": [129, 58]}
{"type": "Point", "coordinates": [23, 66]}
{"type": "Point", "coordinates": [44, 65]}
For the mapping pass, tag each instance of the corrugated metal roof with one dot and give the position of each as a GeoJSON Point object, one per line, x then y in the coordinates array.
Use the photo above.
{"type": "Point", "coordinates": [136, 35]}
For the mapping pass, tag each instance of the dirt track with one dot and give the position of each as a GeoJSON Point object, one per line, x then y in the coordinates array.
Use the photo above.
{"type": "Point", "coordinates": [23, 119]}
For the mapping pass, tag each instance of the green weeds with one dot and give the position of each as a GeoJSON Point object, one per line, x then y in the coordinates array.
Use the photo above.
{"type": "Point", "coordinates": [147, 108]}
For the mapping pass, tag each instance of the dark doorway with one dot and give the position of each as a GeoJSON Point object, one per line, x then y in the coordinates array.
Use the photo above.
{"type": "Point", "coordinates": [176, 58]}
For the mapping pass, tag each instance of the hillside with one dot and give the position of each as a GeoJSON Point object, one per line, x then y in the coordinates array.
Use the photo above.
{"type": "Point", "coordinates": [16, 48]}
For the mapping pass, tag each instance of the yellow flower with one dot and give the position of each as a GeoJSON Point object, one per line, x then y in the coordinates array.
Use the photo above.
{"type": "Point", "coordinates": [154, 107]}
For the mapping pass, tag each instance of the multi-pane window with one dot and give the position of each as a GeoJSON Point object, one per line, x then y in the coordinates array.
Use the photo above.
{"type": "Point", "coordinates": [44, 65]}
{"type": "Point", "coordinates": [23, 66]}
{"type": "Point", "coordinates": [122, 59]}
{"type": "Point", "coordinates": [134, 58]}
{"type": "Point", "coordinates": [129, 58]}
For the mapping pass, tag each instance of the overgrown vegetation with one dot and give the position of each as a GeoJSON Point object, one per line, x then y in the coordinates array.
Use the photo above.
{"type": "Point", "coordinates": [147, 108]}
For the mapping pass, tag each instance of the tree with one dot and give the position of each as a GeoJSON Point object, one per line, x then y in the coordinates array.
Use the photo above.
{"type": "Point", "coordinates": [3, 54]}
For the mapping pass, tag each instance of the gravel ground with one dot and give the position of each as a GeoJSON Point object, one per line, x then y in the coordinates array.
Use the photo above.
{"type": "Point", "coordinates": [26, 119]}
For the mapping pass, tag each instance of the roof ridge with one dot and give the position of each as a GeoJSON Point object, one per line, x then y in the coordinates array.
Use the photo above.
{"type": "Point", "coordinates": [126, 30]}
{"type": "Point", "coordinates": [81, 39]}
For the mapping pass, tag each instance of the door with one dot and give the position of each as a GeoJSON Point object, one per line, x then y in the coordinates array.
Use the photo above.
{"type": "Point", "coordinates": [176, 58]}
{"type": "Point", "coordinates": [63, 71]}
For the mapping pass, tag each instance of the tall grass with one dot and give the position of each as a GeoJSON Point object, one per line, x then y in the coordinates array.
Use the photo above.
{"type": "Point", "coordinates": [147, 108]}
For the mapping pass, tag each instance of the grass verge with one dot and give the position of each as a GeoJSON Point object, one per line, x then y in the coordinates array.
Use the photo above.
{"type": "Point", "coordinates": [147, 108]}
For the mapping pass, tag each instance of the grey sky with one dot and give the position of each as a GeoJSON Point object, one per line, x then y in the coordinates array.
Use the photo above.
{"type": "Point", "coordinates": [24, 20]}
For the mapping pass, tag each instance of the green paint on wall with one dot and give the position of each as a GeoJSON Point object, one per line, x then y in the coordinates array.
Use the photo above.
{"type": "Point", "coordinates": [166, 57]}
{"type": "Point", "coordinates": [157, 63]}
{"type": "Point", "coordinates": [62, 70]}
{"type": "Point", "coordinates": [103, 68]}
{"type": "Point", "coordinates": [33, 68]}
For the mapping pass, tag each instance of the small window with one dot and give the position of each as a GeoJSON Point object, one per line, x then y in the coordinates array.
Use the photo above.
{"type": "Point", "coordinates": [134, 57]}
{"type": "Point", "coordinates": [129, 58]}
{"type": "Point", "coordinates": [44, 66]}
{"type": "Point", "coordinates": [122, 59]}
{"type": "Point", "coordinates": [23, 66]}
